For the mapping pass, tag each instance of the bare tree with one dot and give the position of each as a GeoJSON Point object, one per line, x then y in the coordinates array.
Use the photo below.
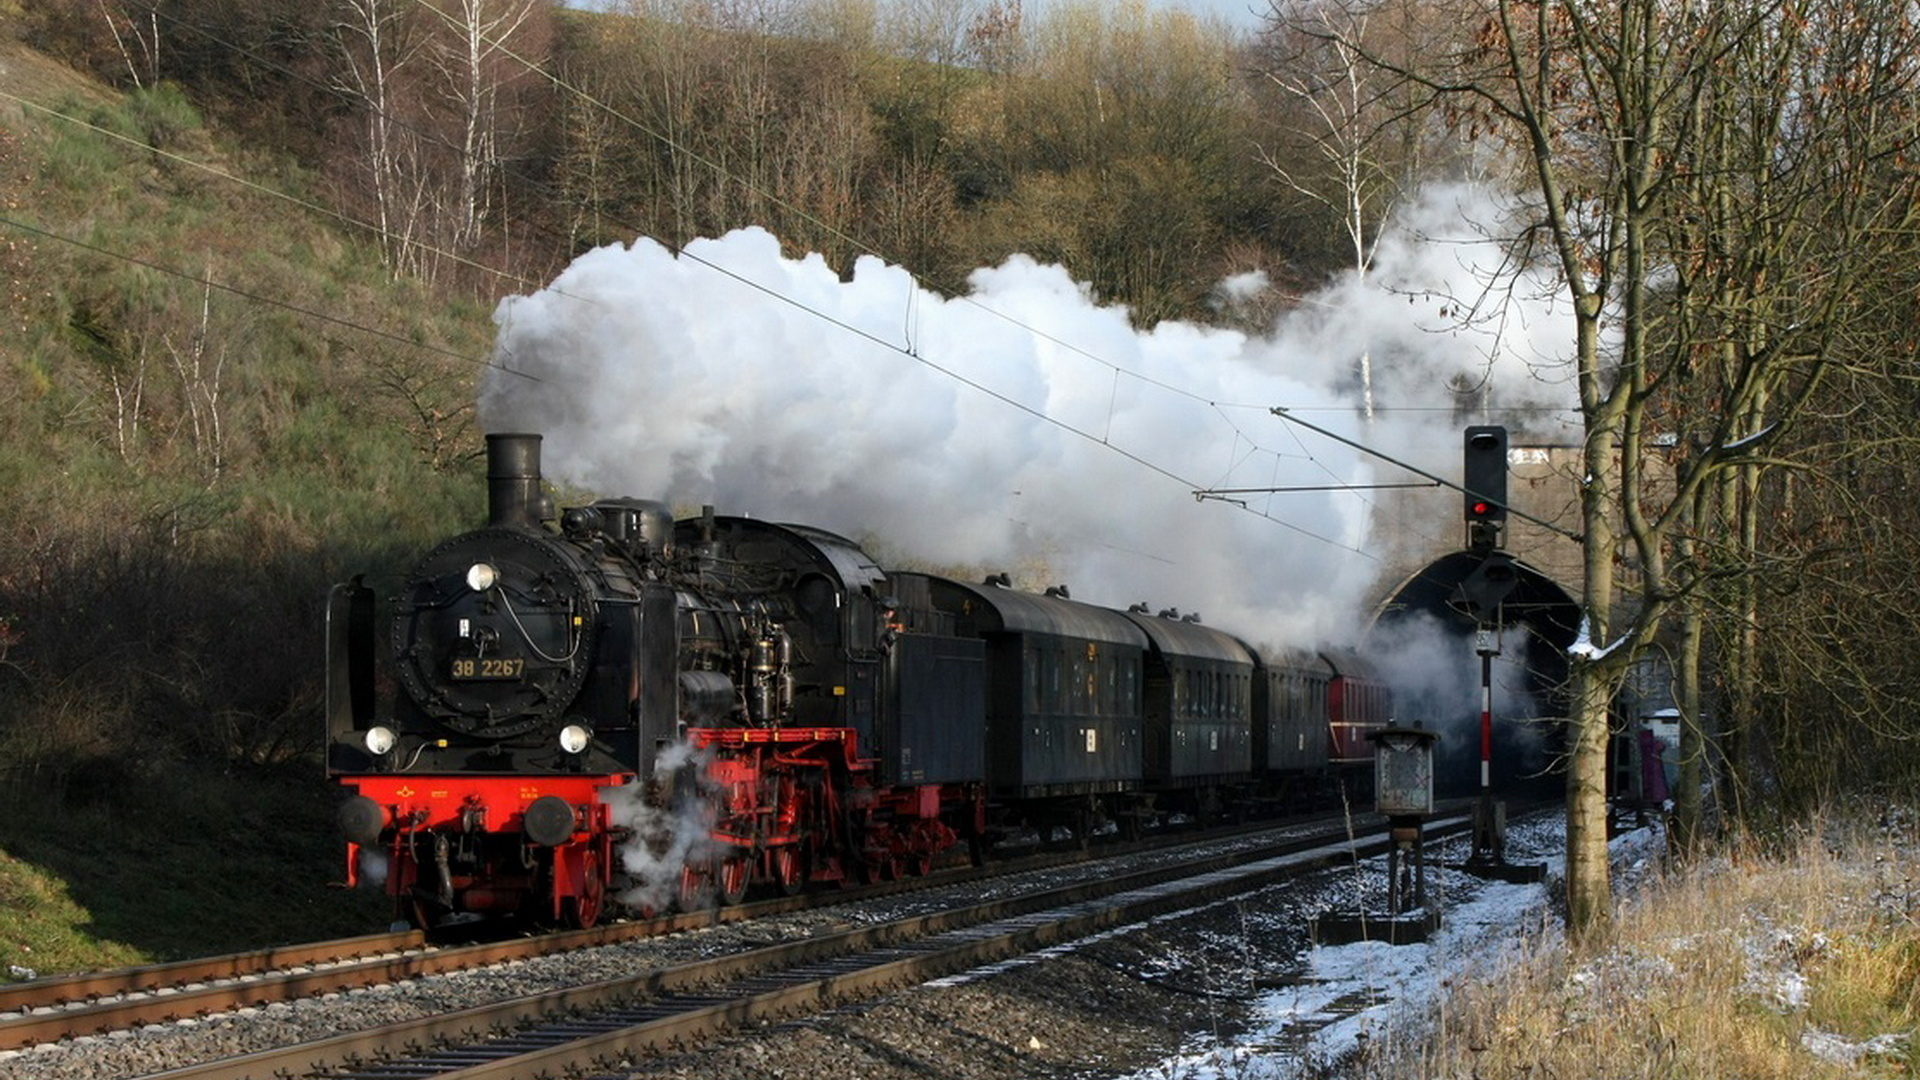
{"type": "Point", "coordinates": [199, 364]}
{"type": "Point", "coordinates": [1655, 135]}
{"type": "Point", "coordinates": [379, 41]}
{"type": "Point", "coordinates": [479, 57]}
{"type": "Point", "coordinates": [1363, 129]}
{"type": "Point", "coordinates": [1119, 130]}
{"type": "Point", "coordinates": [1792, 209]}
{"type": "Point", "coordinates": [136, 35]}
{"type": "Point", "coordinates": [936, 31]}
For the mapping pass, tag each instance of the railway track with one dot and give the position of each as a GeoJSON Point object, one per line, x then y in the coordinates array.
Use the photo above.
{"type": "Point", "coordinates": [48, 1010]}
{"type": "Point", "coordinates": [595, 1026]}
{"type": "Point", "coordinates": [65, 1007]}
{"type": "Point", "coordinates": [44, 1010]}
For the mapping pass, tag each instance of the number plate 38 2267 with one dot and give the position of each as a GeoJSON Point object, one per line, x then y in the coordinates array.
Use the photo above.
{"type": "Point", "coordinates": [487, 667]}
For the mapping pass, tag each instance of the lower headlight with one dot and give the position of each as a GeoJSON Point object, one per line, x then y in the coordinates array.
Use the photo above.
{"type": "Point", "coordinates": [575, 737]}
{"type": "Point", "coordinates": [380, 740]}
{"type": "Point", "coordinates": [361, 820]}
{"type": "Point", "coordinates": [548, 821]}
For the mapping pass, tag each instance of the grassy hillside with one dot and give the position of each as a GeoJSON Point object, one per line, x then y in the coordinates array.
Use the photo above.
{"type": "Point", "coordinates": [186, 863]}
{"type": "Point", "coordinates": [215, 404]}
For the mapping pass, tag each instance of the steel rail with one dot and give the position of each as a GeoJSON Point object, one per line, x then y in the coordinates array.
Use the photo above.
{"type": "Point", "coordinates": [48, 1010]}
{"type": "Point", "coordinates": [683, 1003]}
{"type": "Point", "coordinates": [94, 1004]}
{"type": "Point", "coordinates": [59, 990]}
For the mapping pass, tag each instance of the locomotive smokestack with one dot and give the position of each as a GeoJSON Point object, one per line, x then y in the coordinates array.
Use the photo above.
{"type": "Point", "coordinates": [513, 481]}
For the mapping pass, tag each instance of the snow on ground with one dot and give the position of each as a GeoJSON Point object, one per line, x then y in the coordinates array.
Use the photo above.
{"type": "Point", "coordinates": [1333, 998]}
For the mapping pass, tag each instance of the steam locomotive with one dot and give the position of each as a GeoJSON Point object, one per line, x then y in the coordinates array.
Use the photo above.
{"type": "Point", "coordinates": [558, 711]}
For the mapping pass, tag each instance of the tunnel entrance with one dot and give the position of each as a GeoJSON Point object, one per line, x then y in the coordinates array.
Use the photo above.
{"type": "Point", "coordinates": [1425, 639]}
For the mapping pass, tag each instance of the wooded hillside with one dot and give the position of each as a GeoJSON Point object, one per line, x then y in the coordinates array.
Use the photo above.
{"type": "Point", "coordinates": [251, 249]}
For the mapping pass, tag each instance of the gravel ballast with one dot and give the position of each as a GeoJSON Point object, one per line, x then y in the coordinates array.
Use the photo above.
{"type": "Point", "coordinates": [1114, 1005]}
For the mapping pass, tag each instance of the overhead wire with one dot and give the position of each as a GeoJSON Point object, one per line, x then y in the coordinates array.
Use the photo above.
{"type": "Point", "coordinates": [857, 244]}
{"type": "Point", "coordinates": [909, 350]}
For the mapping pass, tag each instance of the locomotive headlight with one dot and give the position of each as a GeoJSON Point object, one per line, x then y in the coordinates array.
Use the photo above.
{"type": "Point", "coordinates": [380, 740]}
{"type": "Point", "coordinates": [575, 737]}
{"type": "Point", "coordinates": [481, 577]}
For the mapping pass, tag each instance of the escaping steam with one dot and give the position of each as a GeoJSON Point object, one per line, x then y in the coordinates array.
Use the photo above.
{"type": "Point", "coordinates": [1026, 426]}
{"type": "Point", "coordinates": [670, 827]}
{"type": "Point", "coordinates": [1436, 680]}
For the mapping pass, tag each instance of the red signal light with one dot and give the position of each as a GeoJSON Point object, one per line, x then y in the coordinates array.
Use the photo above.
{"type": "Point", "coordinates": [1481, 509]}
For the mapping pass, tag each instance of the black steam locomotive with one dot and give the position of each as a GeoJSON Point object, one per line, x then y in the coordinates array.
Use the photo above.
{"type": "Point", "coordinates": [555, 706]}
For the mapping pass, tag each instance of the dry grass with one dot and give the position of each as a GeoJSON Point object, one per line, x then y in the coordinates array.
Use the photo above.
{"type": "Point", "coordinates": [1793, 960]}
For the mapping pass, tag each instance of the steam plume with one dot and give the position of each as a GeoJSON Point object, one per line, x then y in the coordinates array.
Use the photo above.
{"type": "Point", "coordinates": [1024, 425]}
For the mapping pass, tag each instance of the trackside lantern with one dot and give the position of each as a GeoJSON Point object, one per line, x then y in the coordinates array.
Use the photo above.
{"type": "Point", "coordinates": [1403, 771]}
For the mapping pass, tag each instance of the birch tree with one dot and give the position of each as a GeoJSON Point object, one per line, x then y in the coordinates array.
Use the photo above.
{"type": "Point", "coordinates": [480, 57]}
{"type": "Point", "coordinates": [379, 40]}
{"type": "Point", "coordinates": [1362, 127]}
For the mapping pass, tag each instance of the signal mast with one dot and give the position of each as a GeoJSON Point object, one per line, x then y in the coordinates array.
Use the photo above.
{"type": "Point", "coordinates": [1484, 484]}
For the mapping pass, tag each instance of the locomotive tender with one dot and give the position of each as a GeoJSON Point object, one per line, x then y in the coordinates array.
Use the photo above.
{"type": "Point", "coordinates": [548, 701]}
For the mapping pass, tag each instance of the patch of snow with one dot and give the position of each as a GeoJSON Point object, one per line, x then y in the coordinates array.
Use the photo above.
{"type": "Point", "coordinates": [1841, 1050]}
{"type": "Point", "coordinates": [1340, 996]}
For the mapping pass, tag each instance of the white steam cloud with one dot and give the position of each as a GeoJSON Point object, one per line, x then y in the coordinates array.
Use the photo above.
{"type": "Point", "coordinates": [1437, 679]}
{"type": "Point", "coordinates": [669, 821]}
{"type": "Point", "coordinates": [1024, 426]}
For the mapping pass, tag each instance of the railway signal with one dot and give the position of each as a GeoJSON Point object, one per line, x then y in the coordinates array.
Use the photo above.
{"type": "Point", "coordinates": [1488, 585]}
{"type": "Point", "coordinates": [1483, 482]}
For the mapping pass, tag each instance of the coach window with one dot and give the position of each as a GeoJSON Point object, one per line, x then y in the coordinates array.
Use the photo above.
{"type": "Point", "coordinates": [866, 628]}
{"type": "Point", "coordinates": [1033, 673]}
{"type": "Point", "coordinates": [1055, 704]}
{"type": "Point", "coordinates": [1077, 684]}
{"type": "Point", "coordinates": [1043, 672]}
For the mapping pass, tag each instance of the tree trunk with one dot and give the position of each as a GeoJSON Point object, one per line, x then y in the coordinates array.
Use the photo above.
{"type": "Point", "coordinates": [1589, 888]}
